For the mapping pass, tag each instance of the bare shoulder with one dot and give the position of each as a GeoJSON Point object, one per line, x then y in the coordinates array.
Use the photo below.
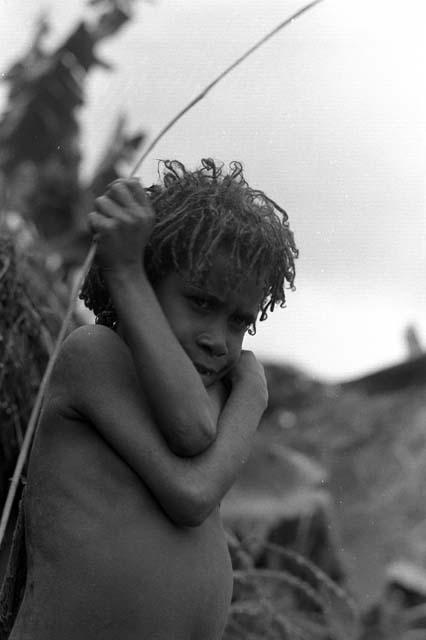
{"type": "Point", "coordinates": [90, 356]}
{"type": "Point", "coordinates": [93, 342]}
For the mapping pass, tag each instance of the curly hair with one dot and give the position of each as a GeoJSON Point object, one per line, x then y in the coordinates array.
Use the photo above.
{"type": "Point", "coordinates": [198, 213]}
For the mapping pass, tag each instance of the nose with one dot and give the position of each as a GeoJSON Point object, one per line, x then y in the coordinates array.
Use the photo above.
{"type": "Point", "coordinates": [213, 342]}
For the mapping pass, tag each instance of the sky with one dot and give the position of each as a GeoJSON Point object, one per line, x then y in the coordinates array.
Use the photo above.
{"type": "Point", "coordinates": [328, 118]}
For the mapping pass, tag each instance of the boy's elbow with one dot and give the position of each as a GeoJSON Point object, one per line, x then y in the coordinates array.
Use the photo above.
{"type": "Point", "coordinates": [188, 442]}
{"type": "Point", "coordinates": [196, 517]}
{"type": "Point", "coordinates": [189, 520]}
{"type": "Point", "coordinates": [195, 508]}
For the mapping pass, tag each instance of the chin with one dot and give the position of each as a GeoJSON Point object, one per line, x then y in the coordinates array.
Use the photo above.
{"type": "Point", "coordinates": [208, 381]}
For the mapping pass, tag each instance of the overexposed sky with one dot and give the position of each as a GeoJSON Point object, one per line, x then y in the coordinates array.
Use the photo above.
{"type": "Point", "coordinates": [329, 119]}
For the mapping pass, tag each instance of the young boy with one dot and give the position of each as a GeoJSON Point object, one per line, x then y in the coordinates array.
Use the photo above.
{"type": "Point", "coordinates": [150, 413]}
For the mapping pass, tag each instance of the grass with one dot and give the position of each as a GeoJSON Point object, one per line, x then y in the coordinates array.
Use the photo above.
{"type": "Point", "coordinates": [31, 307]}
{"type": "Point", "coordinates": [297, 602]}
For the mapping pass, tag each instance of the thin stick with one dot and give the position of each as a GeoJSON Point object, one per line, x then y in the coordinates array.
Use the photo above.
{"type": "Point", "coordinates": [220, 77]}
{"type": "Point", "coordinates": [85, 269]}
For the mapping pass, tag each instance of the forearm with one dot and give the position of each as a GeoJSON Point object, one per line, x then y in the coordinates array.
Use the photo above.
{"type": "Point", "coordinates": [189, 489]}
{"type": "Point", "coordinates": [169, 380]}
{"type": "Point", "coordinates": [218, 467]}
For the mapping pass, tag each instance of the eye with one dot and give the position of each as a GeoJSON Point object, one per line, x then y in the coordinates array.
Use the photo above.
{"type": "Point", "coordinates": [240, 323]}
{"type": "Point", "coordinates": [201, 303]}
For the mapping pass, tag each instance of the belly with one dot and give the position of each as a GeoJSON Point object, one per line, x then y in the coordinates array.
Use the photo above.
{"type": "Point", "coordinates": [104, 559]}
{"type": "Point", "coordinates": [157, 577]}
{"type": "Point", "coordinates": [125, 569]}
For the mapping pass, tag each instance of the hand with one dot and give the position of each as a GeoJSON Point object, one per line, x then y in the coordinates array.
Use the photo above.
{"type": "Point", "coordinates": [121, 225]}
{"type": "Point", "coordinates": [249, 371]}
{"type": "Point", "coordinates": [218, 395]}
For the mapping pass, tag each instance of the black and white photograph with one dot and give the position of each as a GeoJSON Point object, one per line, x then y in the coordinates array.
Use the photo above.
{"type": "Point", "coordinates": [212, 320]}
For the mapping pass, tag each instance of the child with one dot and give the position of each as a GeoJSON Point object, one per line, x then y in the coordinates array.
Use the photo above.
{"type": "Point", "coordinates": [150, 412]}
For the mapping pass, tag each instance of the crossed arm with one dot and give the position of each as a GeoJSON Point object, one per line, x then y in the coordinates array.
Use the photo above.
{"type": "Point", "coordinates": [172, 386]}
{"type": "Point", "coordinates": [104, 389]}
{"type": "Point", "coordinates": [122, 224]}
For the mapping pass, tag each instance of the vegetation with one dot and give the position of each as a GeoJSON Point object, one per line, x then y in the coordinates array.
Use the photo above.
{"type": "Point", "coordinates": [42, 219]}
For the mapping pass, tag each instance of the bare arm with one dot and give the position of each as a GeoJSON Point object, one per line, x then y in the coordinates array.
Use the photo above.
{"type": "Point", "coordinates": [123, 225]}
{"type": "Point", "coordinates": [169, 380]}
{"type": "Point", "coordinates": [187, 489]}
{"type": "Point", "coordinates": [217, 468]}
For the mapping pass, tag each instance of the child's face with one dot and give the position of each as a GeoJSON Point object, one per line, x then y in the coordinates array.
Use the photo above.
{"type": "Point", "coordinates": [209, 323]}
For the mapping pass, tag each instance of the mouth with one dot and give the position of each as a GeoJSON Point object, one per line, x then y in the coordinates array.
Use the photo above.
{"type": "Point", "coordinates": [205, 371]}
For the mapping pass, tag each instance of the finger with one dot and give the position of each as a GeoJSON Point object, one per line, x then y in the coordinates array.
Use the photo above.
{"type": "Point", "coordinates": [113, 182]}
{"type": "Point", "coordinates": [138, 192]}
{"type": "Point", "coordinates": [119, 192]}
{"type": "Point", "coordinates": [117, 181]}
{"type": "Point", "coordinates": [99, 223]}
{"type": "Point", "coordinates": [111, 209]}
{"type": "Point", "coordinates": [130, 194]}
